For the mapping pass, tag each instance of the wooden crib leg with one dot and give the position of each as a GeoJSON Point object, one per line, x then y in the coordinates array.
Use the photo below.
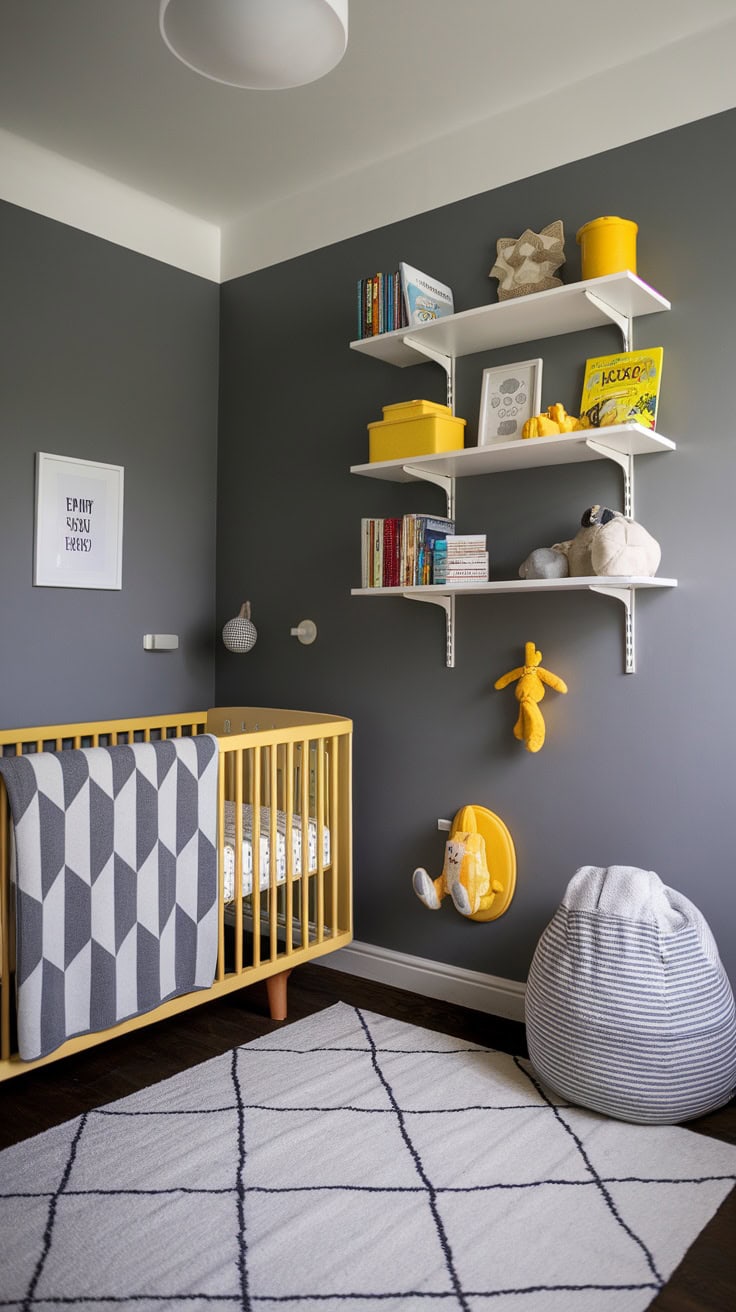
{"type": "Point", "coordinates": [276, 990]}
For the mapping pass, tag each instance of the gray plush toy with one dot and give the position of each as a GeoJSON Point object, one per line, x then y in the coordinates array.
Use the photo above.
{"type": "Point", "coordinates": [544, 563]}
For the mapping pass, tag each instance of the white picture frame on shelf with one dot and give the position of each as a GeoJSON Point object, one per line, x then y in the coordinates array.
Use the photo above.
{"type": "Point", "coordinates": [510, 394]}
{"type": "Point", "coordinates": [79, 523]}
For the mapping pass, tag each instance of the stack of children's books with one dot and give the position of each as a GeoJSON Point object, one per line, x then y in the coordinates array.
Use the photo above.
{"type": "Point", "coordinates": [461, 559]}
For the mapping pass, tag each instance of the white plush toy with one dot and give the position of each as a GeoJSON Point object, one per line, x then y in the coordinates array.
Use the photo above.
{"type": "Point", "coordinates": [609, 544]}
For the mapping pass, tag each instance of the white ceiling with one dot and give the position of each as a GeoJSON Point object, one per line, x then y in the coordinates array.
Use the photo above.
{"type": "Point", "coordinates": [92, 81]}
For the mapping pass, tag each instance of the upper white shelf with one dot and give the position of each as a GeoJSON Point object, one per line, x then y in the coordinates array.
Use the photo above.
{"type": "Point", "coordinates": [566, 309]}
{"type": "Point", "coordinates": [522, 453]}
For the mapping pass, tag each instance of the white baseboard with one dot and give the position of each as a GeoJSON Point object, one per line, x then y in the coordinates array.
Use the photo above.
{"type": "Point", "coordinates": [432, 979]}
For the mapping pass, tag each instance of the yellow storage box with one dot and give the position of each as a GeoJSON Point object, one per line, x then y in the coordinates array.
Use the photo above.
{"type": "Point", "coordinates": [414, 428]}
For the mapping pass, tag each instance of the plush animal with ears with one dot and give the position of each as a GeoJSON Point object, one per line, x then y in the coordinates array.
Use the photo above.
{"type": "Point", "coordinates": [530, 681]}
{"type": "Point", "coordinates": [465, 874]}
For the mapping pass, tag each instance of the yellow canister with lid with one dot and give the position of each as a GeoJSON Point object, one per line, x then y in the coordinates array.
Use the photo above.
{"type": "Point", "coordinates": [607, 245]}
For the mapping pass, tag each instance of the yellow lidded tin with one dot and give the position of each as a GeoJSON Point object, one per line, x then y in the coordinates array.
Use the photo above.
{"type": "Point", "coordinates": [607, 245]}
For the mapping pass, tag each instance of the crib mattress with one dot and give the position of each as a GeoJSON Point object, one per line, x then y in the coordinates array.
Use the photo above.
{"type": "Point", "coordinates": [265, 848]}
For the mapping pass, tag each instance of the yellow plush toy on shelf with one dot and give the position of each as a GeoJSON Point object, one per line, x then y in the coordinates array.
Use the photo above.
{"type": "Point", "coordinates": [530, 680]}
{"type": "Point", "coordinates": [554, 420]}
{"type": "Point", "coordinates": [479, 870]}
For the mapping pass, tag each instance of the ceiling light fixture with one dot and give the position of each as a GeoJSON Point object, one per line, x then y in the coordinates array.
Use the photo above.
{"type": "Point", "coordinates": [264, 45]}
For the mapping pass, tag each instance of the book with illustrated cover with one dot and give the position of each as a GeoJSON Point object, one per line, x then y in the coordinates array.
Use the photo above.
{"type": "Point", "coordinates": [425, 298]}
{"type": "Point", "coordinates": [620, 389]}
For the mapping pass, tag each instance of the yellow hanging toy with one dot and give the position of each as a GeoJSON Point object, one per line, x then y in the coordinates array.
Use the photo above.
{"type": "Point", "coordinates": [529, 691]}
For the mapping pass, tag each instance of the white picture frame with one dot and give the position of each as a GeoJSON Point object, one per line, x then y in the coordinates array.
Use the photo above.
{"type": "Point", "coordinates": [510, 394]}
{"type": "Point", "coordinates": [79, 523]}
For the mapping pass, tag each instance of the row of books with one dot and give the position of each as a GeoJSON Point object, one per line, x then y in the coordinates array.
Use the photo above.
{"type": "Point", "coordinates": [400, 300]}
{"type": "Point", "coordinates": [380, 305]}
{"type": "Point", "coordinates": [399, 551]}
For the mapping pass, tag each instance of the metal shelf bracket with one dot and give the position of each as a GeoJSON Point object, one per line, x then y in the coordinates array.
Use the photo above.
{"type": "Point", "coordinates": [448, 605]}
{"type": "Point", "coordinates": [628, 597]}
{"type": "Point", "coordinates": [626, 462]}
{"type": "Point", "coordinates": [447, 362]}
{"type": "Point", "coordinates": [622, 321]}
{"type": "Point", "coordinates": [440, 480]}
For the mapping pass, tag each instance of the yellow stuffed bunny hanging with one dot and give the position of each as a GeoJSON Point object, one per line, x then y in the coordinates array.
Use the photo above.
{"type": "Point", "coordinates": [529, 691]}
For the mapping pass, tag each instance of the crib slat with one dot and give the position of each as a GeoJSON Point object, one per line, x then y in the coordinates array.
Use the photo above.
{"type": "Point", "coordinates": [305, 763]}
{"type": "Point", "coordinates": [273, 855]}
{"type": "Point", "coordinates": [319, 810]}
{"type": "Point", "coordinates": [334, 832]}
{"type": "Point", "coordinates": [238, 802]}
{"type": "Point", "coordinates": [289, 809]}
{"type": "Point", "coordinates": [255, 801]}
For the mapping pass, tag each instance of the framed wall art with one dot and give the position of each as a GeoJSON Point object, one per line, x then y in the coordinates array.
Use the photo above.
{"type": "Point", "coordinates": [79, 523]}
{"type": "Point", "coordinates": [510, 394]}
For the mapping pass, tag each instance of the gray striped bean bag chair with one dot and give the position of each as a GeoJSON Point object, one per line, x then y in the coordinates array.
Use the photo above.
{"type": "Point", "coordinates": [628, 1008]}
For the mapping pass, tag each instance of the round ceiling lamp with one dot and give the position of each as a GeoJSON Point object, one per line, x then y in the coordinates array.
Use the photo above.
{"type": "Point", "coordinates": [264, 45]}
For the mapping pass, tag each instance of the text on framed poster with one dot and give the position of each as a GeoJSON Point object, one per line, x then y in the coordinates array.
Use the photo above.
{"type": "Point", "coordinates": [79, 523]}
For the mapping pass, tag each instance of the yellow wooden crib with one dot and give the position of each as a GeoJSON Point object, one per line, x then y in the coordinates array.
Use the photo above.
{"type": "Point", "coordinates": [284, 851]}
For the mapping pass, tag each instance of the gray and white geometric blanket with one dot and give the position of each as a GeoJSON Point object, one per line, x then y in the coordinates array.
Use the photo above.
{"type": "Point", "coordinates": [116, 883]}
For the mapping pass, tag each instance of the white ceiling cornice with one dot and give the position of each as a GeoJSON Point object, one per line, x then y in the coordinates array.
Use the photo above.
{"type": "Point", "coordinates": [39, 180]}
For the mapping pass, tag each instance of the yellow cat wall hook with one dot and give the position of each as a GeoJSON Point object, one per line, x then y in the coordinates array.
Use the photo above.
{"type": "Point", "coordinates": [530, 679]}
{"type": "Point", "coordinates": [479, 870]}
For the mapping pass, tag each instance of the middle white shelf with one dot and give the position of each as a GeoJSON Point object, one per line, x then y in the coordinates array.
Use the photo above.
{"type": "Point", "coordinates": [620, 443]}
{"type": "Point", "coordinates": [523, 453]}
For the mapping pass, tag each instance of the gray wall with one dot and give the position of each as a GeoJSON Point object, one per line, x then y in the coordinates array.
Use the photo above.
{"type": "Point", "coordinates": [636, 769]}
{"type": "Point", "coordinates": [107, 355]}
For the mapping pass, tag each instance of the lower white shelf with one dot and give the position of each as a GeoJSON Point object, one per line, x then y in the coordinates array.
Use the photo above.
{"type": "Point", "coordinates": [594, 582]}
{"type": "Point", "coordinates": [623, 588]}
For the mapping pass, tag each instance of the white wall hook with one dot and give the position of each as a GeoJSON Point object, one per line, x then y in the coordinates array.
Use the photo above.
{"type": "Point", "coordinates": [160, 641]}
{"type": "Point", "coordinates": [306, 631]}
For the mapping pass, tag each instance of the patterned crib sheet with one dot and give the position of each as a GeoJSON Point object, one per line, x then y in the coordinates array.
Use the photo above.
{"type": "Point", "coordinates": [265, 848]}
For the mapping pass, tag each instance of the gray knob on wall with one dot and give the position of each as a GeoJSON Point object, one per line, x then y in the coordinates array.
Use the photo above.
{"type": "Point", "coordinates": [306, 631]}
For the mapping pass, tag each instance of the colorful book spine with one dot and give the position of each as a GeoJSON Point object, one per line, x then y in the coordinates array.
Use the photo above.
{"type": "Point", "coordinates": [380, 304]}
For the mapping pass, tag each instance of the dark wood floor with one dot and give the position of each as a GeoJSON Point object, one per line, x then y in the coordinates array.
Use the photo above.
{"type": "Point", "coordinates": [704, 1282]}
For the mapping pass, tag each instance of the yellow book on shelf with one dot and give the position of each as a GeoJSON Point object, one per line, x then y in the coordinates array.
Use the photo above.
{"type": "Point", "coordinates": [620, 389]}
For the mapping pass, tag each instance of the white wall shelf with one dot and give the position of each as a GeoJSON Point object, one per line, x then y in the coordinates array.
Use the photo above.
{"type": "Point", "coordinates": [622, 588]}
{"type": "Point", "coordinates": [617, 298]}
{"type": "Point", "coordinates": [591, 583]}
{"type": "Point", "coordinates": [619, 442]}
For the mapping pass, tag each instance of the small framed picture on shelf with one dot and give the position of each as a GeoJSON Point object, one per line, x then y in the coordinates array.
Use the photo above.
{"type": "Point", "coordinates": [510, 394]}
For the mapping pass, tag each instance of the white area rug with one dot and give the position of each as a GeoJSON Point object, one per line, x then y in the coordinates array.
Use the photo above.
{"type": "Point", "coordinates": [346, 1161]}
